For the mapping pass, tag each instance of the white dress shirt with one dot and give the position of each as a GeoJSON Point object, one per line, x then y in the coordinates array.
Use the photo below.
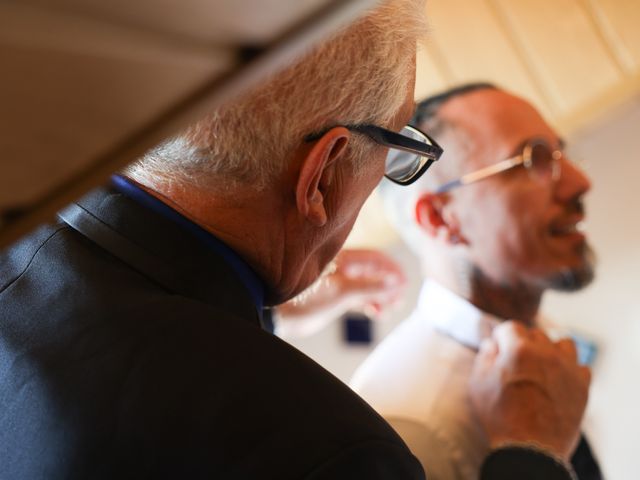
{"type": "Point", "coordinates": [417, 380]}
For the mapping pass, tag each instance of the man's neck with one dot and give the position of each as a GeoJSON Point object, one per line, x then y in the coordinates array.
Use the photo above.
{"type": "Point", "coordinates": [509, 302]}
{"type": "Point", "coordinates": [252, 224]}
{"type": "Point", "coordinates": [239, 223]}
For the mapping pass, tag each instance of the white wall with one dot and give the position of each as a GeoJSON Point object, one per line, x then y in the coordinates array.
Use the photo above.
{"type": "Point", "coordinates": [607, 312]}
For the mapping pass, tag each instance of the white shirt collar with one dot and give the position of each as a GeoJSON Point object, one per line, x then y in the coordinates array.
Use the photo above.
{"type": "Point", "coordinates": [453, 315]}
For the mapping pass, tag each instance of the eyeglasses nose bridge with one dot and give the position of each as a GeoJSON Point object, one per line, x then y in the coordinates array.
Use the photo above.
{"type": "Point", "coordinates": [556, 172]}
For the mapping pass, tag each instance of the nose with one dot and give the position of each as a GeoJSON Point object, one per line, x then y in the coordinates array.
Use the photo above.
{"type": "Point", "coordinates": [573, 181]}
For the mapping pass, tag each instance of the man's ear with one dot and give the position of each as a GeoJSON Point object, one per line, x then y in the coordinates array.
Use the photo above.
{"type": "Point", "coordinates": [316, 174]}
{"type": "Point", "coordinates": [433, 217]}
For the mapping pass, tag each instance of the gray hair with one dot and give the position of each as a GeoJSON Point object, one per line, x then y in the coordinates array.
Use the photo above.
{"type": "Point", "coordinates": [359, 76]}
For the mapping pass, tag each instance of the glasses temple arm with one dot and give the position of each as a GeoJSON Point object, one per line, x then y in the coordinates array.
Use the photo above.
{"type": "Point", "coordinates": [481, 174]}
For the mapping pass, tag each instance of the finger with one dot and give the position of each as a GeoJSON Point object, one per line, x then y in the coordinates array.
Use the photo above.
{"type": "Point", "coordinates": [395, 279]}
{"type": "Point", "coordinates": [538, 336]}
{"type": "Point", "coordinates": [568, 348]}
{"type": "Point", "coordinates": [379, 260]}
{"type": "Point", "coordinates": [353, 256]}
{"type": "Point", "coordinates": [487, 352]}
{"type": "Point", "coordinates": [373, 285]}
{"type": "Point", "coordinates": [509, 334]}
{"type": "Point", "coordinates": [372, 310]}
{"type": "Point", "coordinates": [369, 263]}
{"type": "Point", "coordinates": [364, 285]}
{"type": "Point", "coordinates": [361, 269]}
{"type": "Point", "coordinates": [585, 374]}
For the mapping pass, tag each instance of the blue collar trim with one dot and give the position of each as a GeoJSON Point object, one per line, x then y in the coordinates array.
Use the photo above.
{"type": "Point", "coordinates": [251, 280]}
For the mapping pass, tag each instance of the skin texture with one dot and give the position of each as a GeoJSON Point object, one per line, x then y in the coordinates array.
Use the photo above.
{"type": "Point", "coordinates": [510, 236]}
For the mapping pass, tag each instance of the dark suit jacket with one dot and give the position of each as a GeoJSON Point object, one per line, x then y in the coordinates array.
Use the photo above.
{"type": "Point", "coordinates": [131, 350]}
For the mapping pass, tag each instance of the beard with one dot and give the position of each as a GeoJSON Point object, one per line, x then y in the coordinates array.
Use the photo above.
{"type": "Point", "coordinates": [473, 279]}
{"type": "Point", "coordinates": [577, 278]}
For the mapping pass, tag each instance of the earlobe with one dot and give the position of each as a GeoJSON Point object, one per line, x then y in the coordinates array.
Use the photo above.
{"type": "Point", "coordinates": [317, 213]}
{"type": "Point", "coordinates": [316, 175]}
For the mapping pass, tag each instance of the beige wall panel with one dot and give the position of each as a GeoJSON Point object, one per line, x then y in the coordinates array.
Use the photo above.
{"type": "Point", "coordinates": [619, 21]}
{"type": "Point", "coordinates": [565, 49]}
{"type": "Point", "coordinates": [601, 107]}
{"type": "Point", "coordinates": [476, 47]}
{"type": "Point", "coordinates": [430, 78]}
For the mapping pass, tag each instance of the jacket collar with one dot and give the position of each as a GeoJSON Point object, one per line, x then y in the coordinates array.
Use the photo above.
{"type": "Point", "coordinates": [244, 271]}
{"type": "Point", "coordinates": [160, 249]}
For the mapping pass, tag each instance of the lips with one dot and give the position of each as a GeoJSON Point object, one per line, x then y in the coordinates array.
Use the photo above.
{"type": "Point", "coordinates": [568, 226]}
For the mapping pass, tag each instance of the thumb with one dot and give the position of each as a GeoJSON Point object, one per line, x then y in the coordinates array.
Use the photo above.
{"type": "Point", "coordinates": [487, 352]}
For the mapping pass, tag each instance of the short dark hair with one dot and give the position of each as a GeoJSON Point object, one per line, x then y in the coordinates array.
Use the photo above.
{"type": "Point", "coordinates": [427, 108]}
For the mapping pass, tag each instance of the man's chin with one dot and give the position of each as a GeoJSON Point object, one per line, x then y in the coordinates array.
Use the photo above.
{"type": "Point", "coordinates": [572, 279]}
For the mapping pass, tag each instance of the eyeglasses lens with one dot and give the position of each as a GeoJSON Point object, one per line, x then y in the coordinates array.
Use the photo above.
{"type": "Point", "coordinates": [401, 165]}
{"type": "Point", "coordinates": [541, 161]}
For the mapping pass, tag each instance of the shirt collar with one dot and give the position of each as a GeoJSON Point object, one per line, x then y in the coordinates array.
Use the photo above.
{"type": "Point", "coordinates": [454, 316]}
{"type": "Point", "coordinates": [249, 278]}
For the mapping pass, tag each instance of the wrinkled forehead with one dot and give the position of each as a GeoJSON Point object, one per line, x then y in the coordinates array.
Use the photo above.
{"type": "Point", "coordinates": [496, 123]}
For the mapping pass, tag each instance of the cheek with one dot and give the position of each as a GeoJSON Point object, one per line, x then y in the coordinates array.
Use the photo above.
{"type": "Point", "coordinates": [506, 233]}
{"type": "Point", "coordinates": [527, 240]}
{"type": "Point", "coordinates": [533, 212]}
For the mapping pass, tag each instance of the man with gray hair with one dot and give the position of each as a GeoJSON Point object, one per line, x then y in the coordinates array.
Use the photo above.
{"type": "Point", "coordinates": [130, 339]}
{"type": "Point", "coordinates": [494, 225]}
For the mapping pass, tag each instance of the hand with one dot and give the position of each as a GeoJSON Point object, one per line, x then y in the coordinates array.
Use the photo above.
{"type": "Point", "coordinates": [365, 280]}
{"type": "Point", "coordinates": [527, 389]}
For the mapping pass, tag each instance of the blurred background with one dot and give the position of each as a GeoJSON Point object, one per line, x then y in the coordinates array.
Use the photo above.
{"type": "Point", "coordinates": [578, 61]}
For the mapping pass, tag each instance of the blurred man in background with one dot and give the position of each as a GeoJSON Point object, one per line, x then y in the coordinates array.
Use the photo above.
{"type": "Point", "coordinates": [494, 225]}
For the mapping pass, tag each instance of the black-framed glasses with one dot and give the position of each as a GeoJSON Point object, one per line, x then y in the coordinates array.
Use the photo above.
{"type": "Point", "coordinates": [411, 152]}
{"type": "Point", "coordinates": [540, 160]}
